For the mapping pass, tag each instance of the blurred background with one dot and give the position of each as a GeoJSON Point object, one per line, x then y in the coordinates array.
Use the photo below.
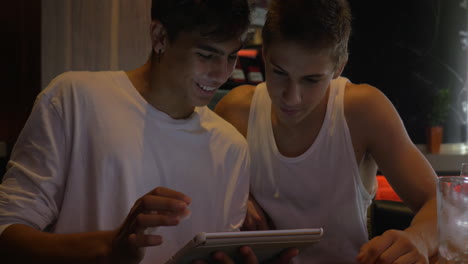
{"type": "Point", "coordinates": [410, 50]}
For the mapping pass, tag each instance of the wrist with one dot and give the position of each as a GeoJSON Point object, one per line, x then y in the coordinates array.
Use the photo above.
{"type": "Point", "coordinates": [418, 239]}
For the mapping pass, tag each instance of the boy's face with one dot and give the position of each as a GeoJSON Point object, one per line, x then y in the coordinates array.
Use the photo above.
{"type": "Point", "coordinates": [195, 67]}
{"type": "Point", "coordinates": [297, 79]}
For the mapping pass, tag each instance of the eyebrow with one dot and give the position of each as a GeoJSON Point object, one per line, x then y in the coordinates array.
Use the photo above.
{"type": "Point", "coordinates": [210, 48]}
{"type": "Point", "coordinates": [318, 75]}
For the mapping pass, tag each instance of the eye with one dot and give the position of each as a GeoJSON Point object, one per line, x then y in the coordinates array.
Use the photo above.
{"type": "Point", "coordinates": [232, 57]}
{"type": "Point", "coordinates": [278, 72]}
{"type": "Point", "coordinates": [205, 56]}
{"type": "Point", "coordinates": [311, 80]}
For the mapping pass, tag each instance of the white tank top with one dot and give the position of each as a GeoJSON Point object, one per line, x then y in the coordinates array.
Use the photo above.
{"type": "Point", "coordinates": [320, 188]}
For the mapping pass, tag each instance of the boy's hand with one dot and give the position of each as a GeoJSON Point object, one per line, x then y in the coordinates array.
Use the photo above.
{"type": "Point", "coordinates": [393, 246]}
{"type": "Point", "coordinates": [256, 218]}
{"type": "Point", "coordinates": [159, 207]}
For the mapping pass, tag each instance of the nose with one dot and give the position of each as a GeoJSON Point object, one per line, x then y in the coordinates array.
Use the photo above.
{"type": "Point", "coordinates": [292, 94]}
{"type": "Point", "coordinates": [220, 71]}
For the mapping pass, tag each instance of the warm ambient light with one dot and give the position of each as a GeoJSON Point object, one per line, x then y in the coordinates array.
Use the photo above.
{"type": "Point", "coordinates": [249, 53]}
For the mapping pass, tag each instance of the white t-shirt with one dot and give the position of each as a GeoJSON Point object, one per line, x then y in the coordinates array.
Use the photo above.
{"type": "Point", "coordinates": [92, 146]}
{"type": "Point", "coordinates": [320, 188]}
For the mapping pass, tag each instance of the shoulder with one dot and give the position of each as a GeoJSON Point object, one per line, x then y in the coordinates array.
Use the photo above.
{"type": "Point", "coordinates": [81, 79]}
{"type": "Point", "coordinates": [76, 77]}
{"type": "Point", "coordinates": [234, 107]}
{"type": "Point", "coordinates": [363, 102]}
{"type": "Point", "coordinates": [79, 84]}
{"type": "Point", "coordinates": [361, 93]}
{"type": "Point", "coordinates": [238, 99]}
{"type": "Point", "coordinates": [371, 116]}
{"type": "Point", "coordinates": [66, 81]}
{"type": "Point", "coordinates": [223, 134]}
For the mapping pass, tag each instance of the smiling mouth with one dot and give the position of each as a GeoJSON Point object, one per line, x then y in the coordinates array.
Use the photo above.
{"type": "Point", "coordinates": [206, 88]}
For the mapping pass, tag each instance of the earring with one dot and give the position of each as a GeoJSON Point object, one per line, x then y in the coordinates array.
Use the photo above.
{"type": "Point", "coordinates": [159, 55]}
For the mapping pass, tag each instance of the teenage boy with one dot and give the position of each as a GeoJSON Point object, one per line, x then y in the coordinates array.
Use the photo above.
{"type": "Point", "coordinates": [316, 139]}
{"type": "Point", "coordinates": [96, 142]}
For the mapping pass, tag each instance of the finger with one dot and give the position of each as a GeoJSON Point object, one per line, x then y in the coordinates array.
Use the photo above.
{"type": "Point", "coordinates": [137, 238]}
{"type": "Point", "coordinates": [169, 193]}
{"type": "Point", "coordinates": [393, 252]}
{"type": "Point", "coordinates": [410, 258]}
{"type": "Point", "coordinates": [286, 256]}
{"type": "Point", "coordinates": [248, 255]}
{"type": "Point", "coordinates": [126, 228]}
{"type": "Point", "coordinates": [259, 216]}
{"type": "Point", "coordinates": [160, 204]}
{"type": "Point", "coordinates": [221, 257]}
{"type": "Point", "coordinates": [249, 224]}
{"type": "Point", "coordinates": [141, 240]}
{"type": "Point", "coordinates": [181, 214]}
{"type": "Point", "coordinates": [262, 224]}
{"type": "Point", "coordinates": [370, 251]}
{"type": "Point", "coordinates": [137, 221]}
{"type": "Point", "coordinates": [258, 221]}
{"type": "Point", "coordinates": [144, 221]}
{"type": "Point", "coordinates": [148, 224]}
{"type": "Point", "coordinates": [255, 219]}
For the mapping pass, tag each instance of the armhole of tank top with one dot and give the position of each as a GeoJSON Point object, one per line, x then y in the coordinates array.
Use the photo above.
{"type": "Point", "coordinates": [363, 192]}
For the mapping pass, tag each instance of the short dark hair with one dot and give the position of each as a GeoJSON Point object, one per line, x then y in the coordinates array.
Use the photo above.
{"type": "Point", "coordinates": [310, 23]}
{"type": "Point", "coordinates": [216, 19]}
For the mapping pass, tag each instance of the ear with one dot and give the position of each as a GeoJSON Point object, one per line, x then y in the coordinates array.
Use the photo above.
{"type": "Point", "coordinates": [263, 54]}
{"type": "Point", "coordinates": [340, 68]}
{"type": "Point", "coordinates": [158, 36]}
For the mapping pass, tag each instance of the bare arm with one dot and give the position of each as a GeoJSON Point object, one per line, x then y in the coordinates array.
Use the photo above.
{"type": "Point", "coordinates": [24, 244]}
{"type": "Point", "coordinates": [381, 133]}
{"type": "Point", "coordinates": [234, 107]}
{"type": "Point", "coordinates": [256, 218]}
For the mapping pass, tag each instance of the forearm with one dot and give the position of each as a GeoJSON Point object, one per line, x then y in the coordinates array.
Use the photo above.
{"type": "Point", "coordinates": [424, 227]}
{"type": "Point", "coordinates": [24, 244]}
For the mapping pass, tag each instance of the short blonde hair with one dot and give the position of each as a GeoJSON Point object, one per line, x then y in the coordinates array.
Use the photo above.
{"type": "Point", "coordinates": [314, 24]}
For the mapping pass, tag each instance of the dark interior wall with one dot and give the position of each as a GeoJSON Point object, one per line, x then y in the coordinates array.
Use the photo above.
{"type": "Point", "coordinates": [409, 50]}
{"type": "Point", "coordinates": [20, 25]}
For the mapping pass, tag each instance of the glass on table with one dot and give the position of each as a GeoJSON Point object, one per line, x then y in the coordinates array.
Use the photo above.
{"type": "Point", "coordinates": [464, 170]}
{"type": "Point", "coordinates": [452, 211]}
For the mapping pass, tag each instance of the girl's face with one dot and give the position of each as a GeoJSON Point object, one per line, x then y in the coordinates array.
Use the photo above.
{"type": "Point", "coordinates": [297, 79]}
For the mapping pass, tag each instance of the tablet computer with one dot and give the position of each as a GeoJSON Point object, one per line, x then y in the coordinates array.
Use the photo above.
{"type": "Point", "coordinates": [266, 244]}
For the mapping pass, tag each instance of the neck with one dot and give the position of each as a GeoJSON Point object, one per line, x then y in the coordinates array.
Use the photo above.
{"type": "Point", "coordinates": [293, 140]}
{"type": "Point", "coordinates": [149, 80]}
{"type": "Point", "coordinates": [313, 121]}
